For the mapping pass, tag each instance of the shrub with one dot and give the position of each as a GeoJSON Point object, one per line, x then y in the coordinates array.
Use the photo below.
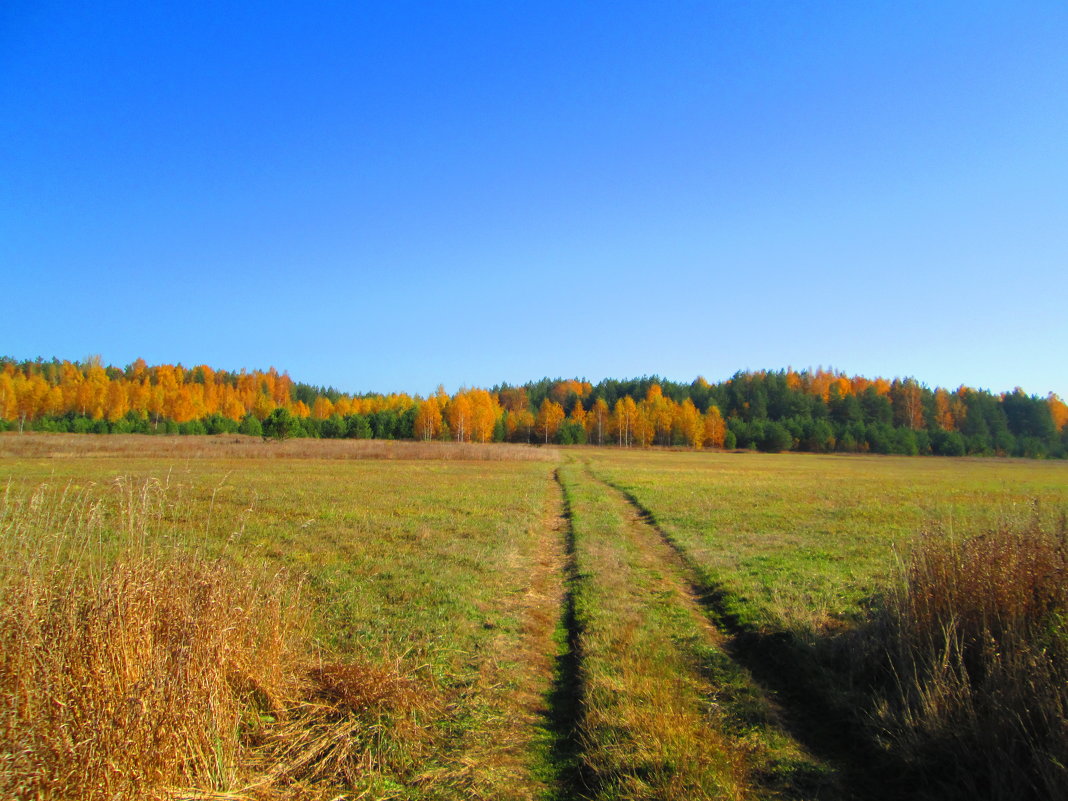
{"type": "Point", "coordinates": [357, 427]}
{"type": "Point", "coordinates": [219, 424]}
{"type": "Point", "coordinates": [250, 426]}
{"type": "Point", "coordinates": [332, 427]}
{"type": "Point", "coordinates": [948, 443]}
{"type": "Point", "coordinates": [280, 424]}
{"type": "Point", "coordinates": [192, 427]}
{"type": "Point", "coordinates": [775, 438]}
{"type": "Point", "coordinates": [571, 433]}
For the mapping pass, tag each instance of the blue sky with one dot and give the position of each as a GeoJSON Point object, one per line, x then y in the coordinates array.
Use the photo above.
{"type": "Point", "coordinates": [387, 196]}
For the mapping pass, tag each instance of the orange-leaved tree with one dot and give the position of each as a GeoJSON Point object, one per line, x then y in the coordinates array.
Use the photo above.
{"type": "Point", "coordinates": [689, 424]}
{"type": "Point", "coordinates": [547, 423]}
{"type": "Point", "coordinates": [428, 420]}
{"type": "Point", "coordinates": [715, 428]}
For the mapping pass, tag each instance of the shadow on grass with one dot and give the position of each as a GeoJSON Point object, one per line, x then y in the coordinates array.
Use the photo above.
{"type": "Point", "coordinates": [812, 690]}
{"type": "Point", "coordinates": [573, 779]}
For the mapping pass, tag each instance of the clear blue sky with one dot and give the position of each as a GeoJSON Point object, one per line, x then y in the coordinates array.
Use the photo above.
{"type": "Point", "coordinates": [387, 196]}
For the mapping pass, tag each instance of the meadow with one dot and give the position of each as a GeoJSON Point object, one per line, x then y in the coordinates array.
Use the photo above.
{"type": "Point", "coordinates": [797, 541]}
{"type": "Point", "coordinates": [400, 620]}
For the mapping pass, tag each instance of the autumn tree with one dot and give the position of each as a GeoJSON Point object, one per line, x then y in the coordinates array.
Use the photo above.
{"type": "Point", "coordinates": [578, 415]}
{"type": "Point", "coordinates": [906, 397]}
{"type": "Point", "coordinates": [459, 414]}
{"type": "Point", "coordinates": [29, 395]}
{"type": "Point", "coordinates": [715, 428]}
{"type": "Point", "coordinates": [661, 413]}
{"type": "Point", "coordinates": [524, 423]}
{"type": "Point", "coordinates": [562, 391]}
{"type": "Point", "coordinates": [513, 399]}
{"type": "Point", "coordinates": [943, 412]}
{"type": "Point", "coordinates": [485, 410]}
{"type": "Point", "coordinates": [8, 401]}
{"type": "Point", "coordinates": [622, 421]}
{"type": "Point", "coordinates": [117, 403]}
{"type": "Point", "coordinates": [428, 420]}
{"type": "Point", "coordinates": [643, 424]}
{"type": "Point", "coordinates": [322, 408]}
{"type": "Point", "coordinates": [689, 424]}
{"type": "Point", "coordinates": [262, 406]}
{"type": "Point", "coordinates": [597, 420]}
{"type": "Point", "coordinates": [1058, 411]}
{"type": "Point", "coordinates": [550, 415]}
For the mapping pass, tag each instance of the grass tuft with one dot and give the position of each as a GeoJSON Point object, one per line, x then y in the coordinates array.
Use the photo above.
{"type": "Point", "coordinates": [130, 667]}
{"type": "Point", "coordinates": [976, 629]}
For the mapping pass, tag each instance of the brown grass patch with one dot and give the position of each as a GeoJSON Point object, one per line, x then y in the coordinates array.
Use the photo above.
{"type": "Point", "coordinates": [237, 446]}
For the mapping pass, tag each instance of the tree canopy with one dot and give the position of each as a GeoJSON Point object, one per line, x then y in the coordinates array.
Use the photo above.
{"type": "Point", "coordinates": [809, 410]}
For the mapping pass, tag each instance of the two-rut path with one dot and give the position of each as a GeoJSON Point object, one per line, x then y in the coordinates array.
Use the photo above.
{"type": "Point", "coordinates": [653, 697]}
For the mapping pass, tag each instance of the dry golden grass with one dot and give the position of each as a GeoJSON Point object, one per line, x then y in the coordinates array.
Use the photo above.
{"type": "Point", "coordinates": [976, 630]}
{"type": "Point", "coordinates": [231, 446]}
{"type": "Point", "coordinates": [130, 669]}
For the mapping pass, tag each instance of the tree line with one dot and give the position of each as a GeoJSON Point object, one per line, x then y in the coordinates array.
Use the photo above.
{"type": "Point", "coordinates": [810, 410]}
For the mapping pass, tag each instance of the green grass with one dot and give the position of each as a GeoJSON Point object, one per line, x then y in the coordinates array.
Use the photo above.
{"type": "Point", "coordinates": [449, 575]}
{"type": "Point", "coordinates": [800, 555]}
{"type": "Point", "coordinates": [425, 565]}
{"type": "Point", "coordinates": [666, 713]}
{"type": "Point", "coordinates": [798, 541]}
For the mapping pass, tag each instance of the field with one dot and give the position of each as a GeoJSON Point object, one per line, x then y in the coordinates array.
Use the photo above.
{"type": "Point", "coordinates": [505, 622]}
{"type": "Point", "coordinates": [797, 540]}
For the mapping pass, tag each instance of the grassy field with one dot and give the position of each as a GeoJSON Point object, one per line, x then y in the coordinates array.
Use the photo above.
{"type": "Point", "coordinates": [444, 571]}
{"type": "Point", "coordinates": [448, 622]}
{"type": "Point", "coordinates": [666, 712]}
{"type": "Point", "coordinates": [798, 541]}
{"type": "Point", "coordinates": [910, 614]}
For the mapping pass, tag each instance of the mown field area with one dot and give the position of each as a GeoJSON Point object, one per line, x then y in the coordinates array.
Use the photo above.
{"type": "Point", "coordinates": [217, 617]}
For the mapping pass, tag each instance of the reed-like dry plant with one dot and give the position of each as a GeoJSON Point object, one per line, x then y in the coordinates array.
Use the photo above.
{"type": "Point", "coordinates": [132, 666]}
{"type": "Point", "coordinates": [976, 630]}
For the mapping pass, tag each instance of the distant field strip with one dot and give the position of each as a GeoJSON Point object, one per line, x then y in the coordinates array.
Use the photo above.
{"type": "Point", "coordinates": [238, 446]}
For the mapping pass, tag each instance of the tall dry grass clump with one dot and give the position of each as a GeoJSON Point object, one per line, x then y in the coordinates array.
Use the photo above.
{"type": "Point", "coordinates": [976, 630]}
{"type": "Point", "coordinates": [132, 666]}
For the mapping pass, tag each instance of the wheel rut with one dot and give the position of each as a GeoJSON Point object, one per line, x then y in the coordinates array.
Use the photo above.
{"type": "Point", "coordinates": [646, 723]}
{"type": "Point", "coordinates": [572, 779]}
{"type": "Point", "coordinates": [799, 692]}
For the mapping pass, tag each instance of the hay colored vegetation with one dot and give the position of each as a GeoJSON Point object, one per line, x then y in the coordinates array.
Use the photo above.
{"type": "Point", "coordinates": [220, 617]}
{"type": "Point", "coordinates": [406, 594]}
